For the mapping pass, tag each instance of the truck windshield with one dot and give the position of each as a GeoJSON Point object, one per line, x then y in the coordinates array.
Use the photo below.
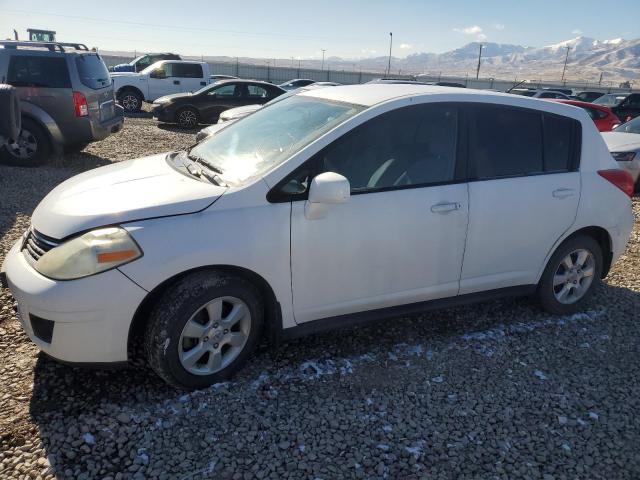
{"type": "Point", "coordinates": [92, 71]}
{"type": "Point", "coordinates": [255, 144]}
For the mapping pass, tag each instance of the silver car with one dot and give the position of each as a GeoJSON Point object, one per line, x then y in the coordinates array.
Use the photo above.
{"type": "Point", "coordinates": [66, 96]}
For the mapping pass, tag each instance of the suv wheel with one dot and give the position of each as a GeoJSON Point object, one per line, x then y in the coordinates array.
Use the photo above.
{"type": "Point", "coordinates": [203, 329]}
{"type": "Point", "coordinates": [130, 100]}
{"type": "Point", "coordinates": [187, 118]}
{"type": "Point", "coordinates": [571, 276]}
{"type": "Point", "coordinates": [30, 149]}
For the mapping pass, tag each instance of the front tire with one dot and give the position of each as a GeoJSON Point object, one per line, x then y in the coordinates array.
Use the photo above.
{"type": "Point", "coordinates": [187, 118]}
{"type": "Point", "coordinates": [571, 276]}
{"type": "Point", "coordinates": [31, 149]}
{"type": "Point", "coordinates": [203, 329]}
{"type": "Point", "coordinates": [130, 100]}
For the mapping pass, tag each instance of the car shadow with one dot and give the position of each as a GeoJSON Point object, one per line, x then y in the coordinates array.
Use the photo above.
{"type": "Point", "coordinates": [65, 392]}
{"type": "Point", "coordinates": [172, 127]}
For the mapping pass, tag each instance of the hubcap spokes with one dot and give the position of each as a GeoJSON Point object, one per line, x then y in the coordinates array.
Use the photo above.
{"type": "Point", "coordinates": [187, 118]}
{"type": "Point", "coordinates": [129, 102]}
{"type": "Point", "coordinates": [574, 276]}
{"type": "Point", "coordinates": [214, 336]}
{"type": "Point", "coordinates": [25, 146]}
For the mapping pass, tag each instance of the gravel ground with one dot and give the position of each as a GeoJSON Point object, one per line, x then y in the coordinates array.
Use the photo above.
{"type": "Point", "coordinates": [497, 390]}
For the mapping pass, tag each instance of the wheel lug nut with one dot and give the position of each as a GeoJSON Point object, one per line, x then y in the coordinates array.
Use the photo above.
{"type": "Point", "coordinates": [215, 345]}
{"type": "Point", "coordinates": [205, 339]}
{"type": "Point", "coordinates": [226, 331]}
{"type": "Point", "coordinates": [215, 325]}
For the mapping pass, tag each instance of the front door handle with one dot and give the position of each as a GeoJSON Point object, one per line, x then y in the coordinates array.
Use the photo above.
{"type": "Point", "coordinates": [176, 82]}
{"type": "Point", "coordinates": [445, 207]}
{"type": "Point", "coordinates": [563, 192]}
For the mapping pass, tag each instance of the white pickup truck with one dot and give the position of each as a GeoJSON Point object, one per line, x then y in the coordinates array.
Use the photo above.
{"type": "Point", "coordinates": [162, 78]}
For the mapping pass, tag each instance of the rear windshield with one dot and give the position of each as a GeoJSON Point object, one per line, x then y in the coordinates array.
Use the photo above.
{"type": "Point", "coordinates": [92, 71]}
{"type": "Point", "coordinates": [610, 100]}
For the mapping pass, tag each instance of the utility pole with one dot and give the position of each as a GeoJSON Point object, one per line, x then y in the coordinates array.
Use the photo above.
{"type": "Point", "coordinates": [322, 67]}
{"type": "Point", "coordinates": [600, 81]}
{"type": "Point", "coordinates": [291, 62]}
{"type": "Point", "coordinates": [390, 46]}
{"type": "Point", "coordinates": [479, 59]}
{"type": "Point", "coordinates": [566, 59]}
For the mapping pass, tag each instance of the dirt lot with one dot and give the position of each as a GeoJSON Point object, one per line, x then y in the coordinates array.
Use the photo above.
{"type": "Point", "coordinates": [497, 390]}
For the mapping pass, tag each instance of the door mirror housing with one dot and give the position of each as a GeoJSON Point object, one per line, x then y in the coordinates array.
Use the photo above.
{"type": "Point", "coordinates": [158, 73]}
{"type": "Point", "coordinates": [326, 189]}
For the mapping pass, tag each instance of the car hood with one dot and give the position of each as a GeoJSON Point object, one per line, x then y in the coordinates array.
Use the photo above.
{"type": "Point", "coordinates": [115, 74]}
{"type": "Point", "coordinates": [239, 112]}
{"type": "Point", "coordinates": [172, 97]}
{"type": "Point", "coordinates": [621, 141]}
{"type": "Point", "coordinates": [124, 67]}
{"type": "Point", "coordinates": [122, 192]}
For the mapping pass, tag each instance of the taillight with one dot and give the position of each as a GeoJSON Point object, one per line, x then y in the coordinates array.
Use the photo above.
{"type": "Point", "coordinates": [620, 178]}
{"type": "Point", "coordinates": [80, 104]}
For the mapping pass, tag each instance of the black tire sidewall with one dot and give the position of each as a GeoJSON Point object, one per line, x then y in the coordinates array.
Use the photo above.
{"type": "Point", "coordinates": [545, 288]}
{"type": "Point", "coordinates": [173, 311]}
{"type": "Point", "coordinates": [42, 152]}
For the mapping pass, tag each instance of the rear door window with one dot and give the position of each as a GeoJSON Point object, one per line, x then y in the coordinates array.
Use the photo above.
{"type": "Point", "coordinates": [561, 143]}
{"type": "Point", "coordinates": [37, 71]}
{"type": "Point", "coordinates": [92, 71]}
{"type": "Point", "coordinates": [504, 141]}
{"type": "Point", "coordinates": [187, 70]}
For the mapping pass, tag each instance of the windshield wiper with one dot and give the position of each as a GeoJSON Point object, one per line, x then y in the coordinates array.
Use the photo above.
{"type": "Point", "coordinates": [204, 162]}
{"type": "Point", "coordinates": [199, 172]}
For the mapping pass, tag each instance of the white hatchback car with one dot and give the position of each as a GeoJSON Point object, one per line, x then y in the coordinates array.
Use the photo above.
{"type": "Point", "coordinates": [328, 208]}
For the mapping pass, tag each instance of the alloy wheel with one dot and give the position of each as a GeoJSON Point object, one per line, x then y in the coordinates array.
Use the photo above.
{"type": "Point", "coordinates": [187, 118]}
{"type": "Point", "coordinates": [214, 336]}
{"type": "Point", "coordinates": [130, 102]}
{"type": "Point", "coordinates": [574, 276]}
{"type": "Point", "coordinates": [25, 147]}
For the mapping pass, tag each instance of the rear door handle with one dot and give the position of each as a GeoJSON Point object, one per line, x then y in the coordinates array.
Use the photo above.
{"type": "Point", "coordinates": [563, 192]}
{"type": "Point", "coordinates": [445, 207]}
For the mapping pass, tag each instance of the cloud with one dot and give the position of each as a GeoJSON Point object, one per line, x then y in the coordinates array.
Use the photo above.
{"type": "Point", "coordinates": [576, 31]}
{"type": "Point", "coordinates": [406, 46]}
{"type": "Point", "coordinates": [367, 51]}
{"type": "Point", "coordinates": [481, 37]}
{"type": "Point", "coordinates": [498, 26]}
{"type": "Point", "coordinates": [472, 30]}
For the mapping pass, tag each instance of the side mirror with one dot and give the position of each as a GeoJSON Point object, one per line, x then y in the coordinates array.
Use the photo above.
{"type": "Point", "coordinates": [326, 189]}
{"type": "Point", "coordinates": [159, 73]}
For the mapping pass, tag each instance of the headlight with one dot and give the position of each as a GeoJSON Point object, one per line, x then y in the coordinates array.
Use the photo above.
{"type": "Point", "coordinates": [93, 252]}
{"type": "Point", "coordinates": [624, 156]}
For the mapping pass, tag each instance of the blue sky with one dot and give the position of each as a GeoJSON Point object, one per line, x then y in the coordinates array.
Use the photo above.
{"type": "Point", "coordinates": [299, 29]}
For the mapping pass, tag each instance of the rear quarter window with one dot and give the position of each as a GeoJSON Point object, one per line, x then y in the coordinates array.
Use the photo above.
{"type": "Point", "coordinates": [38, 71]}
{"type": "Point", "coordinates": [562, 138]}
{"type": "Point", "coordinates": [92, 71]}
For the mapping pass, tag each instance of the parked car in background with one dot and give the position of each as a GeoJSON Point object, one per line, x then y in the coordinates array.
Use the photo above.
{"type": "Point", "coordinates": [66, 99]}
{"type": "Point", "coordinates": [206, 105]}
{"type": "Point", "coordinates": [143, 61]}
{"type": "Point", "coordinates": [163, 78]}
{"type": "Point", "coordinates": [625, 105]}
{"type": "Point", "coordinates": [624, 145]}
{"type": "Point", "coordinates": [588, 96]}
{"type": "Point", "coordinates": [398, 81]}
{"type": "Point", "coordinates": [296, 83]}
{"type": "Point", "coordinates": [329, 208]}
{"type": "Point", "coordinates": [217, 78]}
{"type": "Point", "coordinates": [450, 84]}
{"type": "Point", "coordinates": [538, 93]}
{"type": "Point", "coordinates": [602, 116]}
{"type": "Point", "coordinates": [565, 91]}
{"type": "Point", "coordinates": [237, 113]}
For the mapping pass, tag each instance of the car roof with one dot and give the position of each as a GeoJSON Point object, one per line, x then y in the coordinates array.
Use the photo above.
{"type": "Point", "coordinates": [245, 80]}
{"type": "Point", "coordinates": [579, 103]}
{"type": "Point", "coordinates": [370, 94]}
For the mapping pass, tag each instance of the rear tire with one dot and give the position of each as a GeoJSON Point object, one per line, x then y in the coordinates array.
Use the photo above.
{"type": "Point", "coordinates": [571, 276]}
{"type": "Point", "coordinates": [31, 149]}
{"type": "Point", "coordinates": [130, 100]}
{"type": "Point", "coordinates": [203, 329]}
{"type": "Point", "coordinates": [187, 118]}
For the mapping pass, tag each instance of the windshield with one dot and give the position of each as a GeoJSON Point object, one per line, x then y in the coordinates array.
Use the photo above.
{"type": "Point", "coordinates": [92, 71]}
{"type": "Point", "coordinates": [525, 93]}
{"type": "Point", "coordinates": [610, 100]}
{"type": "Point", "coordinates": [632, 126]}
{"type": "Point", "coordinates": [256, 144]}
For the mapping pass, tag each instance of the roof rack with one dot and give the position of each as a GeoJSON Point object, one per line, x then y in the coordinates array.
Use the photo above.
{"type": "Point", "coordinates": [51, 46]}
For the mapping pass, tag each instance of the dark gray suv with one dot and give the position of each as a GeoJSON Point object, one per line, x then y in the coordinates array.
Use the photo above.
{"type": "Point", "coordinates": [66, 96]}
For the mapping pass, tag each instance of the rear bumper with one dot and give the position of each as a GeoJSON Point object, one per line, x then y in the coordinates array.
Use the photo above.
{"type": "Point", "coordinates": [84, 321]}
{"type": "Point", "coordinates": [100, 131]}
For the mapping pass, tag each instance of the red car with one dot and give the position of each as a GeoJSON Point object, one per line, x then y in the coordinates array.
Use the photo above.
{"type": "Point", "coordinates": [602, 116]}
